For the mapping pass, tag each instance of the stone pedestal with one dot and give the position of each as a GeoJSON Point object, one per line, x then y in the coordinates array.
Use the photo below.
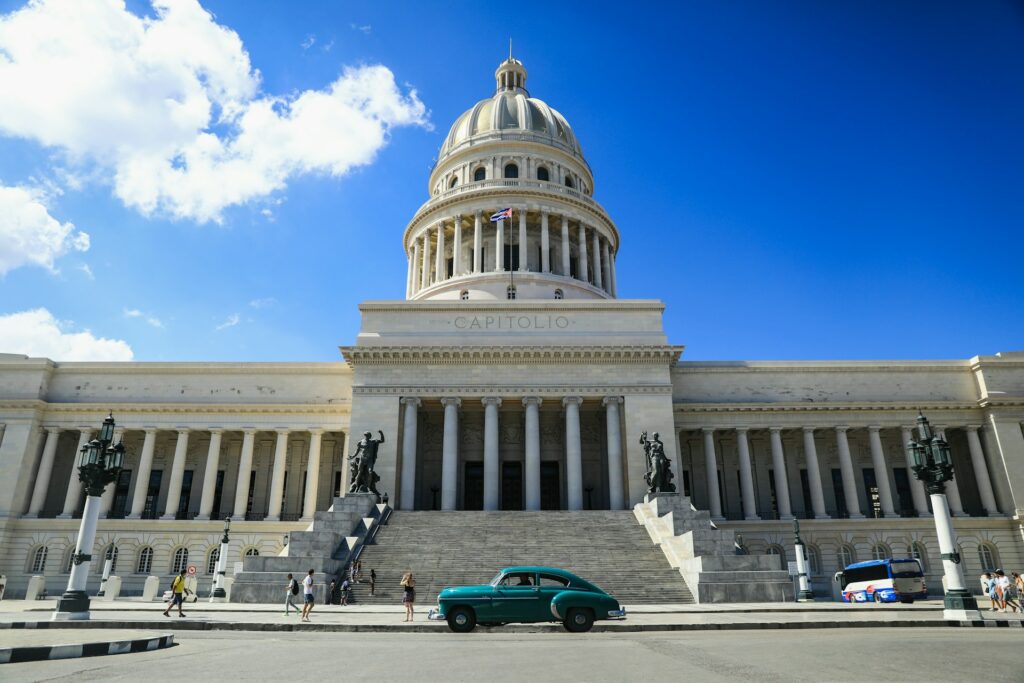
{"type": "Point", "coordinates": [112, 589]}
{"type": "Point", "coordinates": [36, 585]}
{"type": "Point", "coordinates": [151, 589]}
{"type": "Point", "coordinates": [705, 555]}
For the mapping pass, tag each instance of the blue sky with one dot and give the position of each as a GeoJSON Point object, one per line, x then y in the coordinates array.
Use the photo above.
{"type": "Point", "coordinates": [795, 180]}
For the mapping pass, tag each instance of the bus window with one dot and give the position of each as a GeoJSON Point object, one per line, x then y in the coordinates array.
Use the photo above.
{"type": "Point", "coordinates": [876, 572]}
{"type": "Point", "coordinates": [905, 569]}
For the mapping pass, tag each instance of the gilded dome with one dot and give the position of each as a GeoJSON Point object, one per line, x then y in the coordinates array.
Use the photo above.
{"type": "Point", "coordinates": [511, 111]}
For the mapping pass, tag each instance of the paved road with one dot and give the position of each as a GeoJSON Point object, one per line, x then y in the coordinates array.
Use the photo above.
{"type": "Point", "coordinates": [823, 655]}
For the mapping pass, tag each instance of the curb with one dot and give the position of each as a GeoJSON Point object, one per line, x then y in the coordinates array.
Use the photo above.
{"type": "Point", "coordinates": [511, 628]}
{"type": "Point", "coordinates": [13, 655]}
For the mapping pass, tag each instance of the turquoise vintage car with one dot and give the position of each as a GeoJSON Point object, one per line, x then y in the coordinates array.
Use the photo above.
{"type": "Point", "coordinates": [526, 594]}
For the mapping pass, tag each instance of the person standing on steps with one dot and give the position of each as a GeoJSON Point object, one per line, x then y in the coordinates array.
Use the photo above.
{"type": "Point", "coordinates": [408, 585]}
{"type": "Point", "coordinates": [178, 590]}
{"type": "Point", "coordinates": [307, 591]}
{"type": "Point", "coordinates": [345, 587]}
{"type": "Point", "coordinates": [373, 581]}
{"type": "Point", "coordinates": [290, 591]}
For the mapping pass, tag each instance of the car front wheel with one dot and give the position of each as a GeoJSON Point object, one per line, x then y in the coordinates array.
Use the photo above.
{"type": "Point", "coordinates": [578, 620]}
{"type": "Point", "coordinates": [461, 620]}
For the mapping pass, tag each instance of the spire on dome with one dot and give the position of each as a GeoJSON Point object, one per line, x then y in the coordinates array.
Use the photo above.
{"type": "Point", "coordinates": [511, 75]}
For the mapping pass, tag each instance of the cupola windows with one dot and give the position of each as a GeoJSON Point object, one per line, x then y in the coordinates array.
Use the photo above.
{"type": "Point", "coordinates": [479, 174]}
{"type": "Point", "coordinates": [559, 294]}
{"type": "Point", "coordinates": [511, 171]}
{"type": "Point", "coordinates": [568, 181]}
{"type": "Point", "coordinates": [510, 292]}
{"type": "Point", "coordinates": [453, 182]}
{"type": "Point", "coordinates": [542, 174]}
{"type": "Point", "coordinates": [464, 295]}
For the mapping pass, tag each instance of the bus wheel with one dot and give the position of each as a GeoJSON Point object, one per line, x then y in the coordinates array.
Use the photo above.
{"type": "Point", "coordinates": [907, 601]}
{"type": "Point", "coordinates": [878, 598]}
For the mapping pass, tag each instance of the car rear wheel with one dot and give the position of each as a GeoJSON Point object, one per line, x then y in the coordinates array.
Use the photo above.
{"type": "Point", "coordinates": [461, 620]}
{"type": "Point", "coordinates": [578, 620]}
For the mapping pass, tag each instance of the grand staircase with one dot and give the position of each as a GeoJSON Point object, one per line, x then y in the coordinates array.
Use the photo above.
{"type": "Point", "coordinates": [607, 548]}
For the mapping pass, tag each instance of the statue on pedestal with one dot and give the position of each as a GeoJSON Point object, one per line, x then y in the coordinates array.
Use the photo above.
{"type": "Point", "coordinates": [362, 462]}
{"type": "Point", "coordinates": [659, 467]}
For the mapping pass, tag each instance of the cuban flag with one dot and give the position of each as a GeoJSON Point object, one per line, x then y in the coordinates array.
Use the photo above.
{"type": "Point", "coordinates": [502, 215]}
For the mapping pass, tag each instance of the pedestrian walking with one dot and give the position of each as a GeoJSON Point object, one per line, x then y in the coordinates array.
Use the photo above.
{"type": "Point", "coordinates": [1003, 586]}
{"type": "Point", "coordinates": [307, 594]}
{"type": "Point", "coordinates": [357, 572]}
{"type": "Point", "coordinates": [178, 591]}
{"type": "Point", "coordinates": [373, 581]}
{"type": "Point", "coordinates": [408, 585]}
{"type": "Point", "coordinates": [345, 587]}
{"type": "Point", "coordinates": [290, 591]}
{"type": "Point", "coordinates": [332, 592]}
{"type": "Point", "coordinates": [991, 592]}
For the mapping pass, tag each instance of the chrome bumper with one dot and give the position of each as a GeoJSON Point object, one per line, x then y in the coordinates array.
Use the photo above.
{"type": "Point", "coordinates": [434, 615]}
{"type": "Point", "coordinates": [617, 613]}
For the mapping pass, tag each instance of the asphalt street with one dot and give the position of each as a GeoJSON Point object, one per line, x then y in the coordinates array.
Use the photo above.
{"type": "Point", "coordinates": [883, 654]}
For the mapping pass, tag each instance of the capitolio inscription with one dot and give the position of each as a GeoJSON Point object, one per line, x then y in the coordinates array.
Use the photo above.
{"type": "Point", "coordinates": [510, 322]}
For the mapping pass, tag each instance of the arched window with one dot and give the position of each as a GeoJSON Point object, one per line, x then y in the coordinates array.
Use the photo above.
{"type": "Point", "coordinates": [69, 559]}
{"type": "Point", "coordinates": [919, 553]}
{"type": "Point", "coordinates": [542, 174]}
{"type": "Point", "coordinates": [180, 560]}
{"type": "Point", "coordinates": [252, 552]}
{"type": "Point", "coordinates": [510, 292]}
{"type": "Point", "coordinates": [559, 294]}
{"type": "Point", "coordinates": [113, 558]}
{"type": "Point", "coordinates": [568, 181]}
{"type": "Point", "coordinates": [881, 551]}
{"type": "Point", "coordinates": [511, 171]}
{"type": "Point", "coordinates": [813, 560]}
{"type": "Point", "coordinates": [779, 551]}
{"type": "Point", "coordinates": [464, 295]}
{"type": "Point", "coordinates": [479, 174]}
{"type": "Point", "coordinates": [989, 557]}
{"type": "Point", "coordinates": [211, 560]}
{"type": "Point", "coordinates": [845, 556]}
{"type": "Point", "coordinates": [145, 563]}
{"type": "Point", "coordinates": [453, 182]}
{"type": "Point", "coordinates": [39, 559]}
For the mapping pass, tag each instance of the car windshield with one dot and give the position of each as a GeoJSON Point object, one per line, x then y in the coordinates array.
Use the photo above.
{"type": "Point", "coordinates": [497, 578]}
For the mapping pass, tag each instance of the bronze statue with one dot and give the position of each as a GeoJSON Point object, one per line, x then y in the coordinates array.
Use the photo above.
{"type": "Point", "coordinates": [364, 479]}
{"type": "Point", "coordinates": [659, 467]}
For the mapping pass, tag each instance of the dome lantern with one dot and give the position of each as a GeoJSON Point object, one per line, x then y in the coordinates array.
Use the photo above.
{"type": "Point", "coordinates": [511, 74]}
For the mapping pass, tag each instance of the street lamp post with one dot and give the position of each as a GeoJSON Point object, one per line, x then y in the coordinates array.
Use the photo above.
{"type": "Point", "coordinates": [99, 465]}
{"type": "Point", "coordinates": [805, 594]}
{"type": "Point", "coordinates": [219, 594]}
{"type": "Point", "coordinates": [108, 565]}
{"type": "Point", "coordinates": [934, 467]}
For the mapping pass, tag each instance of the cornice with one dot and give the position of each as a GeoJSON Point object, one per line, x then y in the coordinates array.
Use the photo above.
{"type": "Point", "coordinates": [341, 407]}
{"type": "Point", "coordinates": [541, 390]}
{"type": "Point", "coordinates": [781, 406]}
{"type": "Point", "coordinates": [509, 355]}
{"type": "Point", "coordinates": [713, 367]}
{"type": "Point", "coordinates": [327, 368]}
{"type": "Point", "coordinates": [546, 305]}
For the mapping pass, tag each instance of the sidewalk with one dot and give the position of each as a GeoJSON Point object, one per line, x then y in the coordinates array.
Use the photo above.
{"type": "Point", "coordinates": [388, 618]}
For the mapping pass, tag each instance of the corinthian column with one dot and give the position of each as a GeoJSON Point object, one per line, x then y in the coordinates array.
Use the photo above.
{"type": "Point", "coordinates": [426, 266]}
{"type": "Point", "coordinates": [781, 481]}
{"type": "Point", "coordinates": [407, 494]}
{"type": "Point", "coordinates": [457, 247]}
{"type": "Point", "coordinates": [573, 452]}
{"type": "Point", "coordinates": [74, 493]}
{"type": "Point", "coordinates": [442, 265]}
{"type": "Point", "coordinates": [177, 475]}
{"type": "Point", "coordinates": [42, 485]}
{"type": "Point", "coordinates": [566, 256]}
{"type": "Point", "coordinates": [532, 454]}
{"type": "Point", "coordinates": [711, 465]}
{"type": "Point", "coordinates": [450, 454]}
{"type": "Point", "coordinates": [846, 469]}
{"type": "Point", "coordinates": [881, 472]}
{"type": "Point", "coordinates": [491, 455]}
{"type": "Point", "coordinates": [477, 243]}
{"type": "Point", "coordinates": [596, 255]}
{"type": "Point", "coordinates": [616, 492]}
{"type": "Point", "coordinates": [916, 485]}
{"type": "Point", "coordinates": [988, 498]}
{"type": "Point", "coordinates": [277, 478]}
{"type": "Point", "coordinates": [814, 474]}
{"type": "Point", "coordinates": [142, 476]}
{"type": "Point", "coordinates": [210, 475]}
{"type": "Point", "coordinates": [414, 283]}
{"type": "Point", "coordinates": [746, 474]}
{"type": "Point", "coordinates": [582, 257]}
{"type": "Point", "coordinates": [312, 474]}
{"type": "Point", "coordinates": [244, 473]}
{"type": "Point", "coordinates": [545, 244]}
{"type": "Point", "coordinates": [524, 251]}
{"type": "Point", "coordinates": [499, 246]}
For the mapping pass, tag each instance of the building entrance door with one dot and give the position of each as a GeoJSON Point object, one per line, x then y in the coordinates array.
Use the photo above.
{"type": "Point", "coordinates": [550, 487]}
{"type": "Point", "coordinates": [511, 486]}
{"type": "Point", "coordinates": [473, 486]}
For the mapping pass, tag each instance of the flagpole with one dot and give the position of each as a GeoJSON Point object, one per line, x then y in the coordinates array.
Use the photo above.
{"type": "Point", "coordinates": [511, 269]}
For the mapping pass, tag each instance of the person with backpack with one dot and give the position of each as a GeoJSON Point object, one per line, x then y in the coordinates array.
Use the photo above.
{"type": "Point", "coordinates": [290, 592]}
{"type": "Point", "coordinates": [307, 594]}
{"type": "Point", "coordinates": [178, 590]}
{"type": "Point", "coordinates": [345, 588]}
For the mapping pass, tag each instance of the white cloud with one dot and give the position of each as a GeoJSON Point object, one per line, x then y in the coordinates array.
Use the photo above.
{"type": "Point", "coordinates": [132, 313]}
{"type": "Point", "coordinates": [37, 333]}
{"type": "Point", "coordinates": [365, 29]}
{"type": "Point", "coordinates": [87, 270]}
{"type": "Point", "coordinates": [308, 42]}
{"type": "Point", "coordinates": [263, 303]}
{"type": "Point", "coordinates": [170, 108]}
{"type": "Point", "coordinates": [151, 320]}
{"type": "Point", "coordinates": [231, 321]}
{"type": "Point", "coordinates": [29, 235]}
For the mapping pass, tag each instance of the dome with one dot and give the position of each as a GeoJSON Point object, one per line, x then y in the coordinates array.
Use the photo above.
{"type": "Point", "coordinates": [511, 110]}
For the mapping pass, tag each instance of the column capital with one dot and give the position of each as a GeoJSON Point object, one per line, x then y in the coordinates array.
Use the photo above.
{"type": "Point", "coordinates": [182, 430]}
{"type": "Point", "coordinates": [972, 428]}
{"type": "Point", "coordinates": [572, 399]}
{"type": "Point", "coordinates": [874, 429]}
{"type": "Point", "coordinates": [215, 430]}
{"type": "Point", "coordinates": [454, 401]}
{"type": "Point", "coordinates": [456, 217]}
{"type": "Point", "coordinates": [841, 429]}
{"type": "Point", "coordinates": [150, 430]}
{"type": "Point", "coordinates": [53, 430]}
{"type": "Point", "coordinates": [251, 431]}
{"type": "Point", "coordinates": [808, 430]}
{"type": "Point", "coordinates": [741, 430]}
{"type": "Point", "coordinates": [316, 431]}
{"type": "Point", "coordinates": [411, 401]}
{"type": "Point", "coordinates": [281, 431]}
{"type": "Point", "coordinates": [907, 428]}
{"type": "Point", "coordinates": [534, 400]}
{"type": "Point", "coordinates": [491, 400]}
{"type": "Point", "coordinates": [775, 430]}
{"type": "Point", "coordinates": [707, 430]}
{"type": "Point", "coordinates": [607, 400]}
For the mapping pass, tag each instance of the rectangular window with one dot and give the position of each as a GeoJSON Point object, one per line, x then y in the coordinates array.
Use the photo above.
{"type": "Point", "coordinates": [871, 489]}
{"type": "Point", "coordinates": [771, 486]}
{"type": "Point", "coordinates": [284, 493]}
{"type": "Point", "coordinates": [218, 492]}
{"type": "Point", "coordinates": [117, 509]}
{"type": "Point", "coordinates": [511, 257]}
{"type": "Point", "coordinates": [252, 494]}
{"type": "Point", "coordinates": [337, 484]}
{"type": "Point", "coordinates": [805, 490]}
{"type": "Point", "coordinates": [152, 494]}
{"type": "Point", "coordinates": [186, 494]}
{"type": "Point", "coordinates": [906, 499]}
{"type": "Point", "coordinates": [840, 493]}
{"type": "Point", "coordinates": [686, 482]}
